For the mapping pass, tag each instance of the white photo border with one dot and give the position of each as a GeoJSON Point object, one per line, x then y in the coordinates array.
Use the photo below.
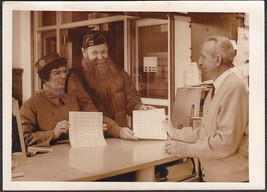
{"type": "Point", "coordinates": [256, 90]}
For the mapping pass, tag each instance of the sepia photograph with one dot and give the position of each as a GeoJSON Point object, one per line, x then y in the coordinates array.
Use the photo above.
{"type": "Point", "coordinates": [133, 95]}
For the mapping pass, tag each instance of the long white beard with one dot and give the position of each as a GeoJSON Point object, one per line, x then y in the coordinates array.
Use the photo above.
{"type": "Point", "coordinates": [101, 70]}
{"type": "Point", "coordinates": [100, 76]}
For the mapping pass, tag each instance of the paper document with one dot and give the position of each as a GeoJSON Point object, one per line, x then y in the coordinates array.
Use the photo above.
{"type": "Point", "coordinates": [150, 64]}
{"type": "Point", "coordinates": [148, 124]}
{"type": "Point", "coordinates": [192, 76]}
{"type": "Point", "coordinates": [86, 129]}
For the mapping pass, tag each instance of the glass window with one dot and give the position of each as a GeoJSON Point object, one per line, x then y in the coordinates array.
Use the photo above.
{"type": "Point", "coordinates": [47, 18]}
{"type": "Point", "coordinates": [74, 16]}
{"type": "Point", "coordinates": [49, 42]}
{"type": "Point", "coordinates": [153, 61]}
{"type": "Point", "coordinates": [71, 42]}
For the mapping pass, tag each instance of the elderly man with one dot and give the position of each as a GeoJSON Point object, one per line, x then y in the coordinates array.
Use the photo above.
{"type": "Point", "coordinates": [221, 143]}
{"type": "Point", "coordinates": [101, 85]}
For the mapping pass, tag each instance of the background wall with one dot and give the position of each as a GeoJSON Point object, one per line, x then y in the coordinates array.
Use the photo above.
{"type": "Point", "coordinates": [21, 49]}
{"type": "Point", "coordinates": [204, 25]}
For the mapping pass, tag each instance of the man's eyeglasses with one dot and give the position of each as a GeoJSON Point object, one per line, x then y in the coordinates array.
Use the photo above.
{"type": "Point", "coordinates": [60, 72]}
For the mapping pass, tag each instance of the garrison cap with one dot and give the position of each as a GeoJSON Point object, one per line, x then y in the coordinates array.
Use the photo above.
{"type": "Point", "coordinates": [93, 38]}
{"type": "Point", "coordinates": [49, 59]}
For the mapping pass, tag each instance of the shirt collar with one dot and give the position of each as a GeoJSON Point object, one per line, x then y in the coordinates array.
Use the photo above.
{"type": "Point", "coordinates": [217, 83]}
{"type": "Point", "coordinates": [54, 96]}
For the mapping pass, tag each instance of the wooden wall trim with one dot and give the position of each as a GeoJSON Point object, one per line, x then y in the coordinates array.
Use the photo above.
{"type": "Point", "coordinates": [172, 61]}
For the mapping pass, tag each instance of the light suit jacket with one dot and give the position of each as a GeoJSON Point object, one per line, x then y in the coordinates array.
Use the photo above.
{"type": "Point", "coordinates": [222, 140]}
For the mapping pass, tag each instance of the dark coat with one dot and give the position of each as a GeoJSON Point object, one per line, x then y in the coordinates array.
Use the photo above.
{"type": "Point", "coordinates": [40, 114]}
{"type": "Point", "coordinates": [122, 100]}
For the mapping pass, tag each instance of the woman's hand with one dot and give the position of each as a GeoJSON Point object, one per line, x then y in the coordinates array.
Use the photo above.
{"type": "Point", "coordinates": [127, 133]}
{"type": "Point", "coordinates": [146, 107]}
{"type": "Point", "coordinates": [105, 127]}
{"type": "Point", "coordinates": [61, 127]}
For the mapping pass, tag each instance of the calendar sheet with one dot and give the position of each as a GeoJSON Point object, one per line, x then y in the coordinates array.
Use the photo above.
{"type": "Point", "coordinates": [148, 124]}
{"type": "Point", "coordinates": [192, 75]}
{"type": "Point", "coordinates": [86, 129]}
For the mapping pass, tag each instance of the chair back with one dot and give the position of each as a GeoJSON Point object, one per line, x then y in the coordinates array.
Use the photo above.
{"type": "Point", "coordinates": [18, 144]}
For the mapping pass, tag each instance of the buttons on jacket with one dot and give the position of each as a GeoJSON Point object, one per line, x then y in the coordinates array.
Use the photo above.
{"type": "Point", "coordinates": [202, 169]}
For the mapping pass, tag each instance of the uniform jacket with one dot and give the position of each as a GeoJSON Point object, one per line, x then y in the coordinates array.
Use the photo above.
{"type": "Point", "coordinates": [124, 98]}
{"type": "Point", "coordinates": [41, 113]}
{"type": "Point", "coordinates": [222, 140]}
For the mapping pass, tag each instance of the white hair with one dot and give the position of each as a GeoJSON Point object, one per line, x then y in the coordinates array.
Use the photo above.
{"type": "Point", "coordinates": [224, 48]}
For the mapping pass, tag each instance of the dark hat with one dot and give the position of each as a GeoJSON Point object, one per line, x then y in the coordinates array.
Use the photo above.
{"type": "Point", "coordinates": [52, 58]}
{"type": "Point", "coordinates": [93, 38]}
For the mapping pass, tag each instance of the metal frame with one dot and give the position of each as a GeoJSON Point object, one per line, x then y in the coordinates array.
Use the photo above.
{"type": "Point", "coordinates": [151, 22]}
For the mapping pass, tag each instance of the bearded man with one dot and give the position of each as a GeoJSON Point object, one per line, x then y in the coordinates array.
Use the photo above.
{"type": "Point", "coordinates": [101, 85]}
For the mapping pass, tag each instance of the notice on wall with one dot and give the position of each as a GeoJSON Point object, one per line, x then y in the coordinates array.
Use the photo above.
{"type": "Point", "coordinates": [148, 124]}
{"type": "Point", "coordinates": [86, 129]}
{"type": "Point", "coordinates": [240, 59]}
{"type": "Point", "coordinates": [192, 75]}
{"type": "Point", "coordinates": [150, 64]}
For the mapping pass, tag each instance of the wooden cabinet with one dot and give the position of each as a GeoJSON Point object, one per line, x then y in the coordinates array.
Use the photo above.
{"type": "Point", "coordinates": [17, 84]}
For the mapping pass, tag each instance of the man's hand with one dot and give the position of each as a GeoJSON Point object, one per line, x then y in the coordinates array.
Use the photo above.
{"type": "Point", "coordinates": [61, 127]}
{"type": "Point", "coordinates": [169, 128]}
{"type": "Point", "coordinates": [146, 107]}
{"type": "Point", "coordinates": [177, 148]}
{"type": "Point", "coordinates": [127, 133]}
{"type": "Point", "coordinates": [105, 127]}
